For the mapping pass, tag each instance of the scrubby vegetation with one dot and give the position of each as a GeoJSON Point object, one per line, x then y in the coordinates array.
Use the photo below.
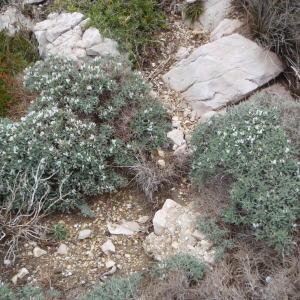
{"type": "Point", "coordinates": [133, 23]}
{"type": "Point", "coordinates": [275, 24]}
{"type": "Point", "coordinates": [16, 53]}
{"type": "Point", "coordinates": [79, 138]}
{"type": "Point", "coordinates": [251, 145]}
{"type": "Point", "coordinates": [193, 10]}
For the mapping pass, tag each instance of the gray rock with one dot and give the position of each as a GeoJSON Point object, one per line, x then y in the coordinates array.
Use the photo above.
{"type": "Point", "coordinates": [33, 1]}
{"type": "Point", "coordinates": [222, 72]}
{"type": "Point", "coordinates": [21, 274]}
{"type": "Point", "coordinates": [38, 252]}
{"type": "Point", "coordinates": [12, 20]}
{"type": "Point", "coordinates": [124, 228]}
{"type": "Point", "coordinates": [174, 232]}
{"type": "Point", "coordinates": [84, 234]}
{"type": "Point", "coordinates": [214, 12]}
{"type": "Point", "coordinates": [107, 47]}
{"type": "Point", "coordinates": [108, 247]}
{"type": "Point", "coordinates": [176, 136]}
{"type": "Point", "coordinates": [63, 249]}
{"type": "Point", "coordinates": [65, 35]}
{"type": "Point", "coordinates": [110, 264]}
{"type": "Point", "coordinates": [226, 27]}
{"type": "Point", "coordinates": [143, 219]}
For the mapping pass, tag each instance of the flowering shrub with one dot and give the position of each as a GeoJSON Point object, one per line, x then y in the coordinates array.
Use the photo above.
{"type": "Point", "coordinates": [250, 144]}
{"type": "Point", "coordinates": [85, 124]}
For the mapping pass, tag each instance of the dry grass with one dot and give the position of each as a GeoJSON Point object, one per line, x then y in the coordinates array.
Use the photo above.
{"type": "Point", "coordinates": [150, 177]}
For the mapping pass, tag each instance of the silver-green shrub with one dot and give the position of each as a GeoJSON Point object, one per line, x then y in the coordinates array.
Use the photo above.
{"type": "Point", "coordinates": [88, 123]}
{"type": "Point", "coordinates": [251, 143]}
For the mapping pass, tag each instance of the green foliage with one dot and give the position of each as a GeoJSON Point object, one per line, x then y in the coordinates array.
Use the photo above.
{"type": "Point", "coordinates": [15, 54]}
{"type": "Point", "coordinates": [116, 288]}
{"type": "Point", "coordinates": [193, 10]}
{"type": "Point", "coordinates": [133, 23]}
{"type": "Point", "coordinates": [27, 292]}
{"type": "Point", "coordinates": [59, 231]}
{"type": "Point", "coordinates": [250, 144]}
{"type": "Point", "coordinates": [192, 267]}
{"type": "Point", "coordinates": [86, 124]}
{"type": "Point", "coordinates": [217, 235]}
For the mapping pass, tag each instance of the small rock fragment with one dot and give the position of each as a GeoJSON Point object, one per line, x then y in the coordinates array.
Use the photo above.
{"type": "Point", "coordinates": [161, 163]}
{"type": "Point", "coordinates": [62, 249]}
{"type": "Point", "coordinates": [21, 274]}
{"type": "Point", "coordinates": [143, 219]}
{"type": "Point", "coordinates": [108, 247]}
{"type": "Point", "coordinates": [38, 252]}
{"type": "Point", "coordinates": [84, 234]}
{"type": "Point", "coordinates": [109, 264]}
{"type": "Point", "coordinates": [125, 228]}
{"type": "Point", "coordinates": [176, 136]}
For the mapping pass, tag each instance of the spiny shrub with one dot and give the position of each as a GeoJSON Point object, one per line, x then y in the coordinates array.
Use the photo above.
{"type": "Point", "coordinates": [86, 127]}
{"type": "Point", "coordinates": [15, 54]}
{"type": "Point", "coordinates": [133, 23]}
{"type": "Point", "coordinates": [116, 289]}
{"type": "Point", "coordinates": [192, 267]}
{"type": "Point", "coordinates": [250, 144]}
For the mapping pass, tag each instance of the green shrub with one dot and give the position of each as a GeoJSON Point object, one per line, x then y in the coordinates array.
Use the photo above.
{"type": "Point", "coordinates": [86, 127]}
{"type": "Point", "coordinates": [59, 231]}
{"type": "Point", "coordinates": [192, 267]}
{"type": "Point", "coordinates": [133, 23]}
{"type": "Point", "coordinates": [217, 235]}
{"type": "Point", "coordinates": [193, 10]}
{"type": "Point", "coordinates": [116, 288]}
{"type": "Point", "coordinates": [15, 54]}
{"type": "Point", "coordinates": [250, 144]}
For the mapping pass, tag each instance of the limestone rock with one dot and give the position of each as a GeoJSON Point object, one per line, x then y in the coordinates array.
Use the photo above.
{"type": "Point", "coordinates": [143, 219]}
{"type": "Point", "coordinates": [223, 71]}
{"type": "Point", "coordinates": [63, 249]}
{"type": "Point", "coordinates": [226, 27]}
{"type": "Point", "coordinates": [12, 20]}
{"type": "Point", "coordinates": [64, 34]}
{"type": "Point", "coordinates": [21, 274]}
{"type": "Point", "coordinates": [33, 1]}
{"type": "Point", "coordinates": [214, 12]}
{"type": "Point", "coordinates": [175, 232]}
{"type": "Point", "coordinates": [108, 247]}
{"type": "Point", "coordinates": [124, 228]}
{"type": "Point", "coordinates": [109, 264]}
{"type": "Point", "coordinates": [176, 136]}
{"type": "Point", "coordinates": [84, 234]}
{"type": "Point", "coordinates": [38, 252]}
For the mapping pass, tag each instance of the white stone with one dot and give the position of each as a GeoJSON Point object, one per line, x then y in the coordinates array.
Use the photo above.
{"type": "Point", "coordinates": [222, 72]}
{"type": "Point", "coordinates": [161, 163]}
{"type": "Point", "coordinates": [176, 136]}
{"type": "Point", "coordinates": [174, 232]}
{"type": "Point", "coordinates": [12, 20]}
{"type": "Point", "coordinates": [63, 249]}
{"type": "Point", "coordinates": [21, 274]}
{"type": "Point", "coordinates": [91, 37]}
{"type": "Point", "coordinates": [108, 247]}
{"type": "Point", "coordinates": [143, 219]}
{"type": "Point", "coordinates": [84, 234]}
{"type": "Point", "coordinates": [125, 228]}
{"type": "Point", "coordinates": [33, 1]}
{"type": "Point", "coordinates": [226, 27]}
{"type": "Point", "coordinates": [182, 53]}
{"type": "Point", "coordinates": [38, 252]}
{"type": "Point", "coordinates": [107, 47]}
{"type": "Point", "coordinates": [109, 264]}
{"type": "Point", "coordinates": [214, 12]}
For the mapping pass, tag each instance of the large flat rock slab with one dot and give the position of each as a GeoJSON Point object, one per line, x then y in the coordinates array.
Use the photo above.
{"type": "Point", "coordinates": [222, 72]}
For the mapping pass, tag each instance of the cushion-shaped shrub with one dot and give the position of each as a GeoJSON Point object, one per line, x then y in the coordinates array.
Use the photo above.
{"type": "Point", "coordinates": [250, 144]}
{"type": "Point", "coordinates": [87, 125]}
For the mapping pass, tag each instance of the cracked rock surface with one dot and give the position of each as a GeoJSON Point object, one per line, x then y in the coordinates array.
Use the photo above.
{"type": "Point", "coordinates": [222, 72]}
{"type": "Point", "coordinates": [65, 34]}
